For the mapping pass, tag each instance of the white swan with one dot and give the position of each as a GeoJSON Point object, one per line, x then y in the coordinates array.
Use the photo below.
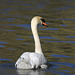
{"type": "Point", "coordinates": [31, 60]}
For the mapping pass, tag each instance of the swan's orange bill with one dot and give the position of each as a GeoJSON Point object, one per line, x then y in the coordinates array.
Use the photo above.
{"type": "Point", "coordinates": [44, 24]}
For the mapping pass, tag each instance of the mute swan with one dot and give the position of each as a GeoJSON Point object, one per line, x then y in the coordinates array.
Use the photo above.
{"type": "Point", "coordinates": [31, 60]}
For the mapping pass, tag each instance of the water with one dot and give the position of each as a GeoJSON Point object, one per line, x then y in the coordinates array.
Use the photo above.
{"type": "Point", "coordinates": [58, 39]}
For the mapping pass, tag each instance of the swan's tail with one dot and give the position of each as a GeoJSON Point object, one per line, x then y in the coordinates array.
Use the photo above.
{"type": "Point", "coordinates": [22, 64]}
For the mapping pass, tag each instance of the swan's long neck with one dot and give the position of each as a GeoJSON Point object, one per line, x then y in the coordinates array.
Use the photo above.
{"type": "Point", "coordinates": [38, 48]}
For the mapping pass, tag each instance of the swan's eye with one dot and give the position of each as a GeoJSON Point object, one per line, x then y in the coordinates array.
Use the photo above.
{"type": "Point", "coordinates": [43, 20]}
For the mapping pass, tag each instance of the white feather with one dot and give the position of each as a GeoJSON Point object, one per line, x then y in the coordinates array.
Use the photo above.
{"type": "Point", "coordinates": [30, 60]}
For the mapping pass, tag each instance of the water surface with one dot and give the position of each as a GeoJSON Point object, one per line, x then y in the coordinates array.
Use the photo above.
{"type": "Point", "coordinates": [58, 39]}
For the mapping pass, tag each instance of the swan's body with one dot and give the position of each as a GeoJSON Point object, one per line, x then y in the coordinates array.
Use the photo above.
{"type": "Point", "coordinates": [31, 60]}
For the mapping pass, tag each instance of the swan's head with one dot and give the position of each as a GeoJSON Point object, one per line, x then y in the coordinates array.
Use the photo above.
{"type": "Point", "coordinates": [38, 20]}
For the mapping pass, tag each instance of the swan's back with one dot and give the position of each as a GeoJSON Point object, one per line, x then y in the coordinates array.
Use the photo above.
{"type": "Point", "coordinates": [29, 60]}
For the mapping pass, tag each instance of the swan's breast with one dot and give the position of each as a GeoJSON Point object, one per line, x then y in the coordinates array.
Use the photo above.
{"type": "Point", "coordinates": [37, 58]}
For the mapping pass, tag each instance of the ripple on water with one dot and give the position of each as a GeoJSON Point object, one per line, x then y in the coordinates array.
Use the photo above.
{"type": "Point", "coordinates": [19, 39]}
{"type": "Point", "coordinates": [64, 25]}
{"type": "Point", "coordinates": [70, 19]}
{"type": "Point", "coordinates": [50, 29]}
{"type": "Point", "coordinates": [44, 37]}
{"type": "Point", "coordinates": [11, 49]}
{"type": "Point", "coordinates": [63, 63]}
{"type": "Point", "coordinates": [25, 43]}
{"type": "Point", "coordinates": [2, 46]}
{"type": "Point", "coordinates": [8, 19]}
{"type": "Point", "coordinates": [61, 8]}
{"type": "Point", "coordinates": [58, 65]}
{"type": "Point", "coordinates": [47, 37]}
{"type": "Point", "coordinates": [64, 56]}
{"type": "Point", "coordinates": [70, 36]}
{"type": "Point", "coordinates": [3, 43]}
{"type": "Point", "coordinates": [3, 59]}
{"type": "Point", "coordinates": [27, 25]}
{"type": "Point", "coordinates": [7, 30]}
{"type": "Point", "coordinates": [62, 41]}
{"type": "Point", "coordinates": [10, 30]}
{"type": "Point", "coordinates": [7, 65]}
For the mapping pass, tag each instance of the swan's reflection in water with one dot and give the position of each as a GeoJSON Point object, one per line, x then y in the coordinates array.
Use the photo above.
{"type": "Point", "coordinates": [30, 72]}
